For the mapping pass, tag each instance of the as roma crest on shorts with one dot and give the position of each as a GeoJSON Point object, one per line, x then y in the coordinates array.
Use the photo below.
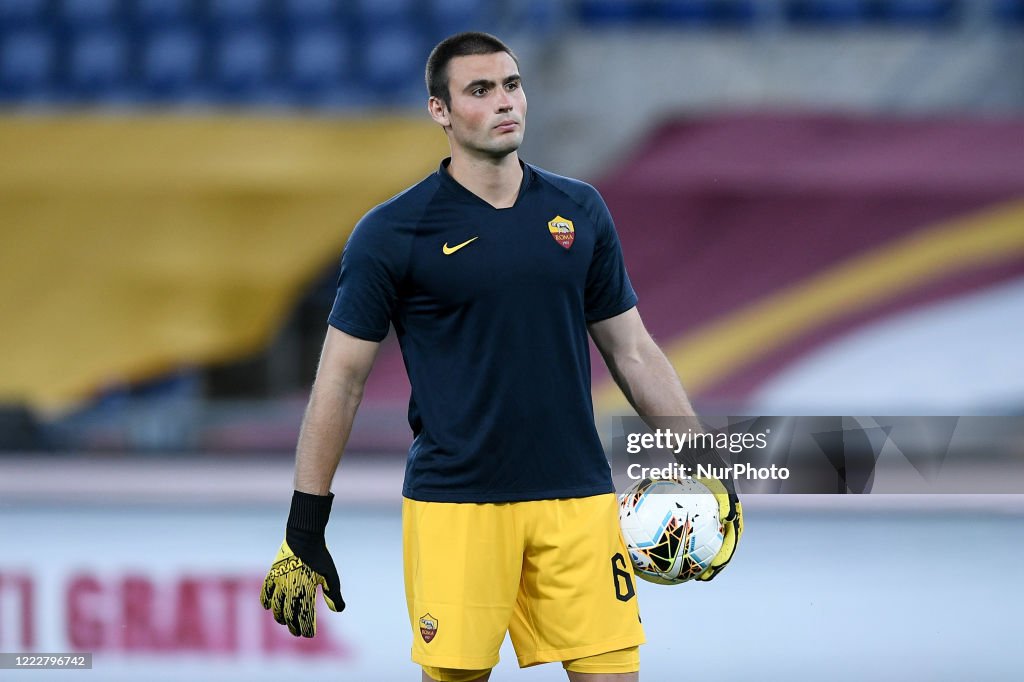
{"type": "Point", "coordinates": [428, 627]}
{"type": "Point", "coordinates": [561, 229]}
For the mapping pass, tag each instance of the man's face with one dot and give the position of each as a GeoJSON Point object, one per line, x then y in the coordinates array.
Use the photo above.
{"type": "Point", "coordinates": [488, 110]}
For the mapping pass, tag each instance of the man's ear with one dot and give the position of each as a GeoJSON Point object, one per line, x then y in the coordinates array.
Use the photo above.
{"type": "Point", "coordinates": [439, 111]}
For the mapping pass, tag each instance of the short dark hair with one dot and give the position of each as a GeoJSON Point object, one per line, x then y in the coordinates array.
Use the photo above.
{"type": "Point", "coordinates": [458, 45]}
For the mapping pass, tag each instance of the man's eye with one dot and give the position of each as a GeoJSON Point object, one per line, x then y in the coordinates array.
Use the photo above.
{"type": "Point", "coordinates": [512, 86]}
{"type": "Point", "coordinates": [479, 92]}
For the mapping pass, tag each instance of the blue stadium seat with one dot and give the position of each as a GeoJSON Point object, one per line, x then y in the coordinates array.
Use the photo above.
{"type": "Point", "coordinates": [83, 14]}
{"type": "Point", "coordinates": [393, 64]}
{"type": "Point", "coordinates": [243, 65]}
{"type": "Point", "coordinates": [599, 12]}
{"type": "Point", "coordinates": [709, 12]}
{"type": "Point", "coordinates": [686, 11]}
{"type": "Point", "coordinates": [170, 66]}
{"type": "Point", "coordinates": [453, 16]}
{"type": "Point", "coordinates": [717, 12]}
{"type": "Point", "coordinates": [27, 58]}
{"type": "Point", "coordinates": [308, 13]}
{"type": "Point", "coordinates": [925, 12]}
{"type": "Point", "coordinates": [384, 15]}
{"type": "Point", "coordinates": [22, 13]}
{"type": "Point", "coordinates": [228, 14]}
{"type": "Point", "coordinates": [825, 12]}
{"type": "Point", "coordinates": [98, 65]}
{"type": "Point", "coordinates": [318, 61]}
{"type": "Point", "coordinates": [1010, 11]}
{"type": "Point", "coordinates": [160, 13]}
{"type": "Point", "coordinates": [538, 17]}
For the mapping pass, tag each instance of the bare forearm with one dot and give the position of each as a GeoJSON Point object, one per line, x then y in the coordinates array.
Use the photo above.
{"type": "Point", "coordinates": [651, 384]}
{"type": "Point", "coordinates": [325, 431]}
{"type": "Point", "coordinates": [642, 371]}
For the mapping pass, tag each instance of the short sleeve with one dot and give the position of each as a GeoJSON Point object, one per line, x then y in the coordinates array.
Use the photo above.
{"type": "Point", "coordinates": [367, 281]}
{"type": "Point", "coordinates": [609, 291]}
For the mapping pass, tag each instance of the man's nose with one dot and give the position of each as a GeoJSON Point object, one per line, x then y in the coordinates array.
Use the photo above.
{"type": "Point", "coordinates": [504, 102]}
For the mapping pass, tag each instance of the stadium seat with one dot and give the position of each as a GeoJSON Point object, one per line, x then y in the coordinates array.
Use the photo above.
{"type": "Point", "coordinates": [453, 16]}
{"type": "Point", "coordinates": [233, 14]}
{"type": "Point", "coordinates": [384, 15]}
{"type": "Point", "coordinates": [539, 17]}
{"type": "Point", "coordinates": [97, 65]}
{"type": "Point", "coordinates": [27, 60]}
{"type": "Point", "coordinates": [393, 63]}
{"type": "Point", "coordinates": [161, 13]}
{"type": "Point", "coordinates": [701, 12]}
{"type": "Point", "coordinates": [826, 12]}
{"type": "Point", "coordinates": [243, 65]}
{"type": "Point", "coordinates": [308, 13]}
{"type": "Point", "coordinates": [170, 64]}
{"type": "Point", "coordinates": [88, 14]}
{"type": "Point", "coordinates": [317, 62]}
{"type": "Point", "coordinates": [600, 12]}
{"type": "Point", "coordinates": [925, 12]}
{"type": "Point", "coordinates": [16, 14]}
{"type": "Point", "coordinates": [717, 12]}
{"type": "Point", "coordinates": [1010, 11]}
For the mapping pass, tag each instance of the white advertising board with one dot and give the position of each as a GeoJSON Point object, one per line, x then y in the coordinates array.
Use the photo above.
{"type": "Point", "coordinates": [159, 593]}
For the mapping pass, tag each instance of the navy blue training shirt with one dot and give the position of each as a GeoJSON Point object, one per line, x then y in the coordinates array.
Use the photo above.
{"type": "Point", "coordinates": [491, 307]}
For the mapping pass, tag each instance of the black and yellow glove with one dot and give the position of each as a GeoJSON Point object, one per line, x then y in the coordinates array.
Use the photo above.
{"type": "Point", "coordinates": [302, 563]}
{"type": "Point", "coordinates": [730, 512]}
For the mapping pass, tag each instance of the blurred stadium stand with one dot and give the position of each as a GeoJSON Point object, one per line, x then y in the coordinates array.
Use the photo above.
{"type": "Point", "coordinates": [656, 60]}
{"type": "Point", "coordinates": [229, 52]}
{"type": "Point", "coordinates": [253, 51]}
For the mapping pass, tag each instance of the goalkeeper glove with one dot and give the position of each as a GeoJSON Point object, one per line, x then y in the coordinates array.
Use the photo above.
{"type": "Point", "coordinates": [730, 513]}
{"type": "Point", "coordinates": [302, 563]}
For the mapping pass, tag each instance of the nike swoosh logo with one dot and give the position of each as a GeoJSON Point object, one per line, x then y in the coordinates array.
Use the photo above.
{"type": "Point", "coordinates": [449, 250]}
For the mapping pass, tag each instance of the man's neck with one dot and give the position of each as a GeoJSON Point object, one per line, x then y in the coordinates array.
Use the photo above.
{"type": "Point", "coordinates": [496, 181]}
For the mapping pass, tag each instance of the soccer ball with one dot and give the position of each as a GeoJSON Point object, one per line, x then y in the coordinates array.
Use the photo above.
{"type": "Point", "coordinates": [671, 529]}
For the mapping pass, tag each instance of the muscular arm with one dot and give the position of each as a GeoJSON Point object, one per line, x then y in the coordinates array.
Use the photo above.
{"type": "Point", "coordinates": [641, 370]}
{"type": "Point", "coordinates": [344, 365]}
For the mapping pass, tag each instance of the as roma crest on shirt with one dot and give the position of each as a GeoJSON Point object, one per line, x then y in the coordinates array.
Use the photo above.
{"type": "Point", "coordinates": [561, 229]}
{"type": "Point", "coordinates": [428, 627]}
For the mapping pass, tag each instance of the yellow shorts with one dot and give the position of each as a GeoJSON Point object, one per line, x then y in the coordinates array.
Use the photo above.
{"type": "Point", "coordinates": [554, 574]}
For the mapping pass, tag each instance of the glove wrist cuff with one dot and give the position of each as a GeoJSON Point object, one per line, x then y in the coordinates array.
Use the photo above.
{"type": "Point", "coordinates": [310, 512]}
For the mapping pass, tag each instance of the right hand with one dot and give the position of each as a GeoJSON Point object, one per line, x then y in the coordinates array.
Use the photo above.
{"type": "Point", "coordinates": [303, 563]}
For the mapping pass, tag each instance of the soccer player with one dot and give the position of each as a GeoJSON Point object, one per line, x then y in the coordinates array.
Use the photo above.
{"type": "Point", "coordinates": [492, 273]}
